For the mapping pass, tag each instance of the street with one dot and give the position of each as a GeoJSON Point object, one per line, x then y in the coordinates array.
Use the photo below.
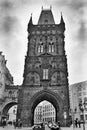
{"type": "Point", "coordinates": [46, 128]}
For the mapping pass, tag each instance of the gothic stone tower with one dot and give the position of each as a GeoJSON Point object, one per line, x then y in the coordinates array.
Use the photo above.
{"type": "Point", "coordinates": [45, 70]}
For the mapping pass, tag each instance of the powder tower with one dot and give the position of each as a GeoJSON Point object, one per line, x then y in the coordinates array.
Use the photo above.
{"type": "Point", "coordinates": [45, 71]}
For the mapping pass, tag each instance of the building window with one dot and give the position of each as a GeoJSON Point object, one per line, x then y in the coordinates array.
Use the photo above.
{"type": "Point", "coordinates": [81, 117]}
{"type": "Point", "coordinates": [51, 47]}
{"type": "Point", "coordinates": [40, 48]}
{"type": "Point", "coordinates": [86, 116]}
{"type": "Point", "coordinates": [85, 99]}
{"type": "Point", "coordinates": [45, 73]}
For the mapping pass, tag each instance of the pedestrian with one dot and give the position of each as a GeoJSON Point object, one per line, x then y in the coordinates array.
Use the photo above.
{"type": "Point", "coordinates": [76, 122]}
{"type": "Point", "coordinates": [3, 123]}
{"type": "Point", "coordinates": [14, 124]}
{"type": "Point", "coordinates": [20, 124]}
{"type": "Point", "coordinates": [79, 123]}
{"type": "Point", "coordinates": [58, 124]}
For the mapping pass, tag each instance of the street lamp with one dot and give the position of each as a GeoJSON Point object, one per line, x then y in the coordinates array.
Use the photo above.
{"type": "Point", "coordinates": [65, 117]}
{"type": "Point", "coordinates": [83, 107]}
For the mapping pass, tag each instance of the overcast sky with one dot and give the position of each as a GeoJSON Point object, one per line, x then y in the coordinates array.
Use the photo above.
{"type": "Point", "coordinates": [14, 17]}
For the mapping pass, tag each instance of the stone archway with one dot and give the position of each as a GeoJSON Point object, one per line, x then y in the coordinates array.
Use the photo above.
{"type": "Point", "coordinates": [46, 86]}
{"type": "Point", "coordinates": [48, 96]}
{"type": "Point", "coordinates": [7, 107]}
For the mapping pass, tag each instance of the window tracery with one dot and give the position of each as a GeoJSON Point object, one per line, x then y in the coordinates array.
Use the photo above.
{"type": "Point", "coordinates": [45, 73]}
{"type": "Point", "coordinates": [40, 48]}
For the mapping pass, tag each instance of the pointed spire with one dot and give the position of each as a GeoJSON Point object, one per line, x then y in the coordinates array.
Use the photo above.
{"type": "Point", "coordinates": [62, 21]}
{"type": "Point", "coordinates": [42, 7]}
{"type": "Point", "coordinates": [30, 22]}
{"type": "Point", "coordinates": [50, 7]}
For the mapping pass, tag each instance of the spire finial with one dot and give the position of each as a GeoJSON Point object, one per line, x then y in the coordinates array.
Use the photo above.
{"type": "Point", "coordinates": [62, 21]}
{"type": "Point", "coordinates": [50, 7]}
{"type": "Point", "coordinates": [61, 13]}
{"type": "Point", "coordinates": [42, 7]}
{"type": "Point", "coordinates": [30, 22]}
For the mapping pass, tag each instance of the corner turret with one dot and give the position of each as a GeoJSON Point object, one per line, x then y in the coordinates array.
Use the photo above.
{"type": "Point", "coordinates": [62, 23]}
{"type": "Point", "coordinates": [30, 24]}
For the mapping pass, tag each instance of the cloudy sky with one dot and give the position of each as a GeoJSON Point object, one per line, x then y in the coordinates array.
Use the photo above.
{"type": "Point", "coordinates": [14, 17]}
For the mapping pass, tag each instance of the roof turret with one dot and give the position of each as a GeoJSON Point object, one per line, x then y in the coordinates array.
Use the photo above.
{"type": "Point", "coordinates": [46, 17]}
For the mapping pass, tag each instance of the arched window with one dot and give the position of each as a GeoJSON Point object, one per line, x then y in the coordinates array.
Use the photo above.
{"type": "Point", "coordinates": [51, 47]}
{"type": "Point", "coordinates": [40, 48]}
{"type": "Point", "coordinates": [45, 73]}
{"type": "Point", "coordinates": [10, 93]}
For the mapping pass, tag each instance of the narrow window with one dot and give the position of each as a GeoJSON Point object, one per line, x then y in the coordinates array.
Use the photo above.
{"type": "Point", "coordinates": [51, 47]}
{"type": "Point", "coordinates": [45, 73]}
{"type": "Point", "coordinates": [40, 48]}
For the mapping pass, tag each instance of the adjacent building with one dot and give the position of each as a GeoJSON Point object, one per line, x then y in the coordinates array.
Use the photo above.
{"type": "Point", "coordinates": [5, 76]}
{"type": "Point", "coordinates": [5, 79]}
{"type": "Point", "coordinates": [38, 114]}
{"type": "Point", "coordinates": [44, 112]}
{"type": "Point", "coordinates": [78, 94]}
{"type": "Point", "coordinates": [48, 112]}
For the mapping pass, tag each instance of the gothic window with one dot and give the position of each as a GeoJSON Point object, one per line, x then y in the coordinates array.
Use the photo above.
{"type": "Point", "coordinates": [45, 73]}
{"type": "Point", "coordinates": [40, 48]}
{"type": "Point", "coordinates": [51, 47]}
{"type": "Point", "coordinates": [10, 94]}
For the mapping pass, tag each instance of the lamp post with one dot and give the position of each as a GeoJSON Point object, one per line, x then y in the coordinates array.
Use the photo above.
{"type": "Point", "coordinates": [65, 117]}
{"type": "Point", "coordinates": [83, 107]}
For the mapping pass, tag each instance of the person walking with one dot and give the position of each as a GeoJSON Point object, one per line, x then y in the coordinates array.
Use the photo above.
{"type": "Point", "coordinates": [76, 122]}
{"type": "Point", "coordinates": [79, 123]}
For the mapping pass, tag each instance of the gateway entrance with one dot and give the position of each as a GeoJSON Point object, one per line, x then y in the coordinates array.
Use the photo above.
{"type": "Point", "coordinates": [45, 70]}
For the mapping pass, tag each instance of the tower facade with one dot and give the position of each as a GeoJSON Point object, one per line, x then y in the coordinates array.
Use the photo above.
{"type": "Point", "coordinates": [45, 70]}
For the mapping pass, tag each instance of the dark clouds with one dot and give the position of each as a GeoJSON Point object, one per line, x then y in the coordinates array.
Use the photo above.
{"type": "Point", "coordinates": [9, 23]}
{"type": "Point", "coordinates": [82, 33]}
{"type": "Point", "coordinates": [6, 5]}
{"type": "Point", "coordinates": [14, 15]}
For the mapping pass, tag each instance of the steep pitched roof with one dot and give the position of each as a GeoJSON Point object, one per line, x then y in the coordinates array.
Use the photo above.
{"type": "Point", "coordinates": [46, 17]}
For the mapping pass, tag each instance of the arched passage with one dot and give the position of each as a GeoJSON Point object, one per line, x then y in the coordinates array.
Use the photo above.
{"type": "Point", "coordinates": [48, 96]}
{"type": "Point", "coordinates": [7, 107]}
{"type": "Point", "coordinates": [44, 112]}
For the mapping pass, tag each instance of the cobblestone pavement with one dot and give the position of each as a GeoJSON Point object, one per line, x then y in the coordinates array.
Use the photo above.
{"type": "Point", "coordinates": [29, 128]}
